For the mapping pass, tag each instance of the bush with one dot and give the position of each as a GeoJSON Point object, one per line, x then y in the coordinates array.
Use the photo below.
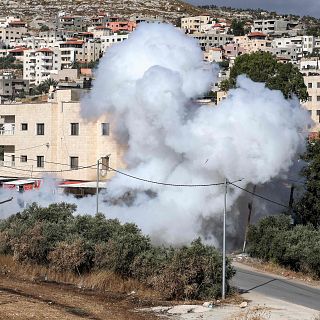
{"type": "Point", "coordinates": [68, 256]}
{"type": "Point", "coordinates": [297, 247]}
{"type": "Point", "coordinates": [193, 272]}
{"type": "Point", "coordinates": [54, 237]}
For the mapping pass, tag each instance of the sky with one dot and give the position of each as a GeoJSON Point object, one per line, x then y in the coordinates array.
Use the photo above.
{"type": "Point", "coordinates": [300, 7]}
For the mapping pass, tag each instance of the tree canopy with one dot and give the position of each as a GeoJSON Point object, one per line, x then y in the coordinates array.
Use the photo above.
{"type": "Point", "coordinates": [237, 27]}
{"type": "Point", "coordinates": [263, 67]}
{"type": "Point", "coordinates": [307, 208]}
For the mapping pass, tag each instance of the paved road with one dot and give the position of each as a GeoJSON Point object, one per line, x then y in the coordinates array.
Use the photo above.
{"type": "Point", "coordinates": [272, 286]}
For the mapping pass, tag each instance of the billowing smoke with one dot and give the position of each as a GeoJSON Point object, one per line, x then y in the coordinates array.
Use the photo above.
{"type": "Point", "coordinates": [148, 84]}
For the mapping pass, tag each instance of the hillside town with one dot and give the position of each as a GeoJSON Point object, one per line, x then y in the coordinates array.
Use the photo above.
{"type": "Point", "coordinates": [158, 160]}
{"type": "Point", "coordinates": [47, 65]}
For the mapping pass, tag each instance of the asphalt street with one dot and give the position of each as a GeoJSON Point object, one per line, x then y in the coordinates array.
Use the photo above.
{"type": "Point", "coordinates": [272, 286]}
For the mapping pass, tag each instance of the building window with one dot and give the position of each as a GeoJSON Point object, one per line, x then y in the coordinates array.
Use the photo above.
{"type": "Point", "coordinates": [105, 129]}
{"type": "Point", "coordinates": [40, 129]}
{"type": "Point", "coordinates": [40, 161]}
{"type": "Point", "coordinates": [74, 129]}
{"type": "Point", "coordinates": [318, 84]}
{"type": "Point", "coordinates": [23, 159]}
{"type": "Point", "coordinates": [310, 85]}
{"type": "Point", "coordinates": [310, 98]}
{"type": "Point", "coordinates": [318, 98]}
{"type": "Point", "coordinates": [74, 162]}
{"type": "Point", "coordinates": [24, 126]}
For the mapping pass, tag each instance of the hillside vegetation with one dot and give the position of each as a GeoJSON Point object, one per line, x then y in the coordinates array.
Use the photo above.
{"type": "Point", "coordinates": [55, 238]}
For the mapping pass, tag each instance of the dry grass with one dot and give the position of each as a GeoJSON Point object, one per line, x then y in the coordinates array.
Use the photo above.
{"type": "Point", "coordinates": [254, 313]}
{"type": "Point", "coordinates": [102, 281]}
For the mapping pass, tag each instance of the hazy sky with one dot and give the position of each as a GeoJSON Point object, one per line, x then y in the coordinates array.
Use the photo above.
{"type": "Point", "coordinates": [300, 7]}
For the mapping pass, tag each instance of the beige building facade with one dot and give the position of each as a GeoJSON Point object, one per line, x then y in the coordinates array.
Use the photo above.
{"type": "Point", "coordinates": [313, 103]}
{"type": "Point", "coordinates": [38, 139]}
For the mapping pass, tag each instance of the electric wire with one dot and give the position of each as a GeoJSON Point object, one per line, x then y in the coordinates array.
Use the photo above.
{"type": "Point", "coordinates": [33, 147]}
{"type": "Point", "coordinates": [259, 196]}
{"type": "Point", "coordinates": [165, 183]}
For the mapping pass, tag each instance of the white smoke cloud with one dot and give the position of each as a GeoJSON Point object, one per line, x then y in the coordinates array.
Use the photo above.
{"type": "Point", "coordinates": [147, 82]}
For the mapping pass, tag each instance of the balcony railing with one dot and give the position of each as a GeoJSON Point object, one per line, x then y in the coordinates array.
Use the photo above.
{"type": "Point", "coordinates": [7, 163]}
{"type": "Point", "coordinates": [6, 132]}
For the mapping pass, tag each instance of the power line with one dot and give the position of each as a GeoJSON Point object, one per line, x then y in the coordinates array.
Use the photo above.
{"type": "Point", "coordinates": [164, 183]}
{"type": "Point", "coordinates": [8, 200]}
{"type": "Point", "coordinates": [40, 145]}
{"type": "Point", "coordinates": [259, 196]}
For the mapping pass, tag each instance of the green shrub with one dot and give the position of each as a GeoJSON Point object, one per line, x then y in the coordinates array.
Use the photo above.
{"type": "Point", "coordinates": [54, 237]}
{"type": "Point", "coordinates": [296, 247]}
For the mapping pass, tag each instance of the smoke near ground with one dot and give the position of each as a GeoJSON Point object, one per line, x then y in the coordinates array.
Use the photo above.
{"type": "Point", "coordinates": [148, 83]}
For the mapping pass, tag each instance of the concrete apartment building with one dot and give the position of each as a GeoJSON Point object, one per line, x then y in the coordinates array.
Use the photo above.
{"type": "Point", "coordinates": [85, 51]}
{"type": "Point", "coordinates": [313, 104]}
{"type": "Point", "coordinates": [253, 42]}
{"type": "Point", "coordinates": [290, 42]}
{"type": "Point", "coordinates": [10, 35]}
{"type": "Point", "coordinates": [277, 27]}
{"type": "Point", "coordinates": [52, 136]}
{"type": "Point", "coordinates": [193, 24]}
{"type": "Point", "coordinates": [71, 22]}
{"type": "Point", "coordinates": [38, 64]}
{"type": "Point", "coordinates": [108, 41]}
{"type": "Point", "coordinates": [11, 87]}
{"type": "Point", "coordinates": [212, 39]}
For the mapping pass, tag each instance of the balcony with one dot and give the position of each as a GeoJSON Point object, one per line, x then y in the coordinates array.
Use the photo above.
{"type": "Point", "coordinates": [7, 129]}
{"type": "Point", "coordinates": [7, 163]}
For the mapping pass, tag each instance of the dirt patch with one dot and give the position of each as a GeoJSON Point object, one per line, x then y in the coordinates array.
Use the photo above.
{"type": "Point", "coordinates": [27, 300]}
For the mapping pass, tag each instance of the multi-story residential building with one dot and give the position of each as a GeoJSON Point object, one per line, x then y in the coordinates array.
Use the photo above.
{"type": "Point", "coordinates": [11, 87]}
{"type": "Point", "coordinates": [308, 44]}
{"type": "Point", "coordinates": [85, 51]}
{"type": "Point", "coordinates": [213, 55]}
{"type": "Point", "coordinates": [212, 39]}
{"type": "Point", "coordinates": [38, 64]}
{"type": "Point", "coordinates": [53, 36]}
{"type": "Point", "coordinates": [313, 104]}
{"type": "Point", "coordinates": [253, 42]}
{"type": "Point", "coordinates": [100, 20]}
{"type": "Point", "coordinates": [18, 53]}
{"type": "Point", "coordinates": [4, 21]}
{"type": "Point", "coordinates": [51, 137]}
{"type": "Point", "coordinates": [73, 22]}
{"type": "Point", "coordinates": [193, 24]}
{"type": "Point", "coordinates": [290, 42]}
{"type": "Point", "coordinates": [232, 50]}
{"type": "Point", "coordinates": [277, 27]}
{"type": "Point", "coordinates": [108, 41]}
{"type": "Point", "coordinates": [308, 66]}
{"type": "Point", "coordinates": [288, 53]}
{"type": "Point", "coordinates": [100, 31]}
{"type": "Point", "coordinates": [117, 26]}
{"type": "Point", "coordinates": [9, 35]}
{"type": "Point", "coordinates": [147, 19]}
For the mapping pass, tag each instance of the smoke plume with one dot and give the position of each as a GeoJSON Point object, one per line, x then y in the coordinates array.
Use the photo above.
{"type": "Point", "coordinates": [148, 84]}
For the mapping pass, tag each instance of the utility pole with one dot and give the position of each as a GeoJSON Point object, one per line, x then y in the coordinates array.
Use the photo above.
{"type": "Point", "coordinates": [224, 241]}
{"type": "Point", "coordinates": [249, 220]}
{"type": "Point", "coordinates": [97, 191]}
